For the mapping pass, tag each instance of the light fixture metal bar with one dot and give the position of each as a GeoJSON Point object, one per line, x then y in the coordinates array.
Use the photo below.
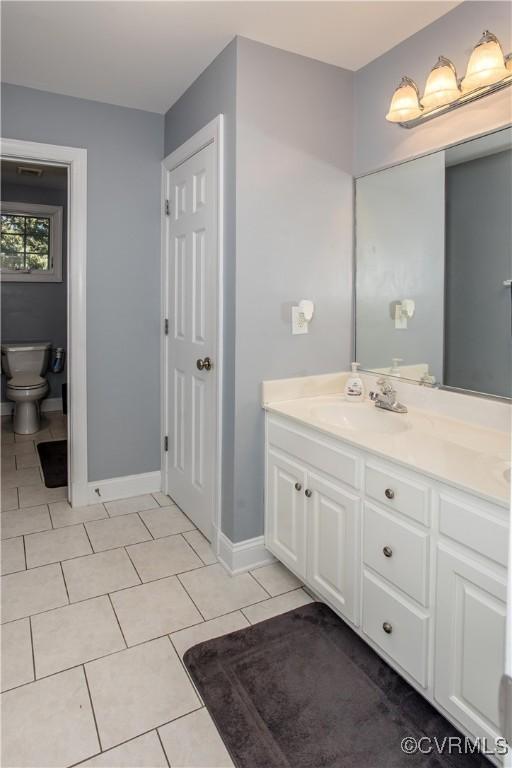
{"type": "Point", "coordinates": [466, 98]}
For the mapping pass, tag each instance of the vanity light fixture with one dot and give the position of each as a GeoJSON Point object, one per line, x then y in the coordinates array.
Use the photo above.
{"type": "Point", "coordinates": [488, 71]}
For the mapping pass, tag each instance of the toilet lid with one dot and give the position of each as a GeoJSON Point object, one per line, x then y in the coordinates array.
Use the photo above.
{"type": "Point", "coordinates": [26, 381]}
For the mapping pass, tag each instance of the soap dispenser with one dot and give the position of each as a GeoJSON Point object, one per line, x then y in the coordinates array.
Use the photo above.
{"type": "Point", "coordinates": [354, 388]}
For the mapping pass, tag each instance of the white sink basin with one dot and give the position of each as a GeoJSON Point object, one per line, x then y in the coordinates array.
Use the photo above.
{"type": "Point", "coordinates": [362, 418]}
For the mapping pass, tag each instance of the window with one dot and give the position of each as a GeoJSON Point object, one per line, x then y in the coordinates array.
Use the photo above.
{"type": "Point", "coordinates": [31, 242]}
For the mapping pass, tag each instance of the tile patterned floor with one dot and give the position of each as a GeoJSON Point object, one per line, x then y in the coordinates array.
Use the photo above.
{"type": "Point", "coordinates": [98, 606]}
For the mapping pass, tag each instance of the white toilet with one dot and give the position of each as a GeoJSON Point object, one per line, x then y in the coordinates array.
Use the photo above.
{"type": "Point", "coordinates": [25, 364]}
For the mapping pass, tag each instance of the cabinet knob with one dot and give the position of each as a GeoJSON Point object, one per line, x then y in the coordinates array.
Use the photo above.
{"type": "Point", "coordinates": [387, 627]}
{"type": "Point", "coordinates": [387, 551]}
{"type": "Point", "coordinates": [298, 486]}
{"type": "Point", "coordinates": [308, 493]}
{"type": "Point", "coordinates": [389, 493]}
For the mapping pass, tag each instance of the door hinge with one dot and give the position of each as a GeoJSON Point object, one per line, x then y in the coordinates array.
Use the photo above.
{"type": "Point", "coordinates": [167, 208]}
{"type": "Point", "coordinates": [166, 443]}
{"type": "Point", "coordinates": [166, 326]}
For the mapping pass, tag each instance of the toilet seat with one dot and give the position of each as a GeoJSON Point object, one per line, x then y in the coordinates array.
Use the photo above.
{"type": "Point", "coordinates": [26, 381]}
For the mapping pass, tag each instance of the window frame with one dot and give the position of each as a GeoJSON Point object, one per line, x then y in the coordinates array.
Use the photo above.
{"type": "Point", "coordinates": [55, 214]}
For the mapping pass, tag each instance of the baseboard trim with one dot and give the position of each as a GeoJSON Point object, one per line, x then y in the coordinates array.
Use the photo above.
{"type": "Point", "coordinates": [241, 556]}
{"type": "Point", "coordinates": [48, 404]}
{"type": "Point", "coordinates": [123, 487]}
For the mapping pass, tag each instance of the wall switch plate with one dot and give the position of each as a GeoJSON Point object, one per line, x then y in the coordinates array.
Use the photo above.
{"type": "Point", "coordinates": [299, 325]}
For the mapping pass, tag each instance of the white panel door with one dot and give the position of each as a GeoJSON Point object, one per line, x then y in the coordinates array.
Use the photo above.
{"type": "Point", "coordinates": [333, 537]}
{"type": "Point", "coordinates": [285, 524]}
{"type": "Point", "coordinates": [191, 342]}
{"type": "Point", "coordinates": [470, 641]}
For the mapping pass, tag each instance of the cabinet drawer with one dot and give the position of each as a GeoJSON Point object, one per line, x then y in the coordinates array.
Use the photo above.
{"type": "Point", "coordinates": [475, 527]}
{"type": "Point", "coordinates": [398, 492]}
{"type": "Point", "coordinates": [313, 449]}
{"type": "Point", "coordinates": [397, 551]}
{"type": "Point", "coordinates": [406, 643]}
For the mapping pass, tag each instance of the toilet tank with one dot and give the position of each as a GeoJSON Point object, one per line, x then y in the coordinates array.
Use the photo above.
{"type": "Point", "coordinates": [25, 357]}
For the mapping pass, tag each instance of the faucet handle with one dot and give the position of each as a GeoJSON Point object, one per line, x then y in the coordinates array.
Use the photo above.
{"type": "Point", "coordinates": [386, 386]}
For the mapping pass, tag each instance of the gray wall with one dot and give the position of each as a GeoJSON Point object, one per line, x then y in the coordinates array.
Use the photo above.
{"type": "Point", "coordinates": [124, 152]}
{"type": "Point", "coordinates": [37, 311]}
{"type": "Point", "coordinates": [214, 93]}
{"type": "Point", "coordinates": [379, 143]}
{"type": "Point", "coordinates": [478, 353]}
{"type": "Point", "coordinates": [294, 240]}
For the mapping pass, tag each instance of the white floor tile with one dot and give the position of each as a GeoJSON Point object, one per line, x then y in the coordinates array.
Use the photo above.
{"type": "Point", "coordinates": [276, 606]}
{"type": "Point", "coordinates": [137, 690]}
{"type": "Point", "coordinates": [198, 542]}
{"type": "Point", "coordinates": [116, 532]}
{"type": "Point", "coordinates": [133, 504]}
{"type": "Point", "coordinates": [16, 478]}
{"type": "Point", "coordinates": [53, 546]}
{"type": "Point", "coordinates": [26, 460]}
{"type": "Point", "coordinates": [62, 513]}
{"type": "Point", "coordinates": [17, 663]}
{"type": "Point", "coordinates": [19, 522]}
{"type": "Point", "coordinates": [18, 449]}
{"type": "Point", "coordinates": [215, 592]}
{"type": "Point", "coordinates": [154, 609]}
{"type": "Point", "coordinates": [69, 636]}
{"type": "Point", "coordinates": [193, 741]}
{"type": "Point", "coordinates": [186, 638]}
{"type": "Point", "coordinates": [33, 591]}
{"type": "Point", "coordinates": [13, 555]}
{"type": "Point", "coordinates": [163, 557]}
{"type": "Point", "coordinates": [162, 499]}
{"type": "Point", "coordinates": [141, 752]}
{"type": "Point", "coordinates": [166, 521]}
{"type": "Point", "coordinates": [35, 494]}
{"type": "Point", "coordinates": [99, 574]}
{"type": "Point", "coordinates": [41, 436]}
{"type": "Point", "coordinates": [48, 723]}
{"type": "Point", "coordinates": [276, 579]}
{"type": "Point", "coordinates": [9, 499]}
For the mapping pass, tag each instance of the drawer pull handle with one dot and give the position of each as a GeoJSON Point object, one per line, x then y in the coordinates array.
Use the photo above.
{"type": "Point", "coordinates": [387, 627]}
{"type": "Point", "coordinates": [308, 493]}
{"type": "Point", "coordinates": [389, 493]}
{"type": "Point", "coordinates": [388, 552]}
{"type": "Point", "coordinates": [298, 487]}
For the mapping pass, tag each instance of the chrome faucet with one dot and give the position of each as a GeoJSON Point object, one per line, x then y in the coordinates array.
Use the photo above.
{"type": "Point", "coordinates": [386, 398]}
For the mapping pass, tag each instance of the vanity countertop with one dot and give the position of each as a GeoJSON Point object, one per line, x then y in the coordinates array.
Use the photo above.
{"type": "Point", "coordinates": [473, 458]}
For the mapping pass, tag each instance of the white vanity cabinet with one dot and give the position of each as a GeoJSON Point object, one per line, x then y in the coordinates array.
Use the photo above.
{"type": "Point", "coordinates": [417, 567]}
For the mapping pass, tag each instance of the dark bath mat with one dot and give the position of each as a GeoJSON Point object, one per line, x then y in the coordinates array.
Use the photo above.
{"type": "Point", "coordinates": [302, 690]}
{"type": "Point", "coordinates": [54, 463]}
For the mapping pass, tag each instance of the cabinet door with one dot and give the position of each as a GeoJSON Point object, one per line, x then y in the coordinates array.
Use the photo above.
{"type": "Point", "coordinates": [470, 641]}
{"type": "Point", "coordinates": [333, 543]}
{"type": "Point", "coordinates": [285, 525]}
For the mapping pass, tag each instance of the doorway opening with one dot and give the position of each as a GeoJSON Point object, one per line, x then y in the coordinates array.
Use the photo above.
{"type": "Point", "coordinates": [42, 274]}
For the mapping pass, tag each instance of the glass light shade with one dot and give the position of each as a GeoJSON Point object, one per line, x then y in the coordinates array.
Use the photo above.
{"type": "Point", "coordinates": [405, 104]}
{"type": "Point", "coordinates": [441, 87]}
{"type": "Point", "coordinates": [486, 65]}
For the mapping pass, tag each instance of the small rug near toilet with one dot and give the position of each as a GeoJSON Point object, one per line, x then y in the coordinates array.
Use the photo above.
{"type": "Point", "coordinates": [54, 462]}
{"type": "Point", "coordinates": [302, 690]}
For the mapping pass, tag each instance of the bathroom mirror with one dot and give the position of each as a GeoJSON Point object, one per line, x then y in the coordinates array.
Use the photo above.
{"type": "Point", "coordinates": [434, 268]}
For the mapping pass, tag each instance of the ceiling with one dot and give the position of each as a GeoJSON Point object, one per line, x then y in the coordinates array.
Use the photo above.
{"type": "Point", "coordinates": [53, 176]}
{"type": "Point", "coordinates": [146, 54]}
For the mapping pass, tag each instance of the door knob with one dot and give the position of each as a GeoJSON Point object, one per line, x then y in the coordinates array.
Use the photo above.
{"type": "Point", "coordinates": [298, 486]}
{"type": "Point", "coordinates": [308, 493]}
{"type": "Point", "coordinates": [387, 627]}
{"type": "Point", "coordinates": [205, 364]}
{"type": "Point", "coordinates": [388, 552]}
{"type": "Point", "coordinates": [389, 493]}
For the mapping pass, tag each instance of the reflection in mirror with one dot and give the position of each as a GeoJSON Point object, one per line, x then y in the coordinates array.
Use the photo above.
{"type": "Point", "coordinates": [434, 265]}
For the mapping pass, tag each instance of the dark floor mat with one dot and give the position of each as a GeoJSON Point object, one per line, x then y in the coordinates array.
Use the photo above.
{"type": "Point", "coordinates": [54, 463]}
{"type": "Point", "coordinates": [302, 690]}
